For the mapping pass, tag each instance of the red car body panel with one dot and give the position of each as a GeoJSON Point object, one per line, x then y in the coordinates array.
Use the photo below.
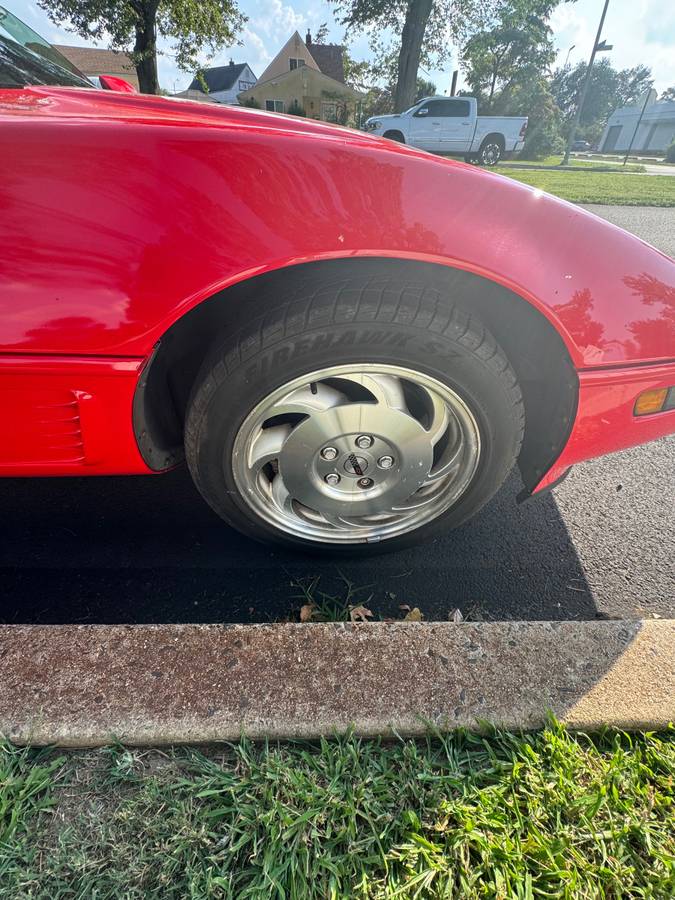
{"type": "Point", "coordinates": [68, 416]}
{"type": "Point", "coordinates": [605, 420]}
{"type": "Point", "coordinates": [122, 212]}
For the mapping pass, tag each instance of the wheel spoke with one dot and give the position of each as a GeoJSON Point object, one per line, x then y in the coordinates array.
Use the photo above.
{"type": "Point", "coordinates": [268, 445]}
{"type": "Point", "coordinates": [310, 398]}
{"type": "Point", "coordinates": [418, 500]}
{"type": "Point", "coordinates": [440, 418]}
{"type": "Point", "coordinates": [451, 462]}
{"type": "Point", "coordinates": [281, 496]}
{"type": "Point", "coordinates": [387, 389]}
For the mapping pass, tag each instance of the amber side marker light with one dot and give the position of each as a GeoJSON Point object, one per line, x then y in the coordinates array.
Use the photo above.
{"type": "Point", "coordinates": [655, 401]}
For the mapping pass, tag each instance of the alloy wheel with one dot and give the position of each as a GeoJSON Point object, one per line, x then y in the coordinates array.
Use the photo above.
{"type": "Point", "coordinates": [353, 454]}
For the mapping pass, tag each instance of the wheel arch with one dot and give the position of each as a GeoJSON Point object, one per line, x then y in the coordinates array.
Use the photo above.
{"type": "Point", "coordinates": [400, 137]}
{"type": "Point", "coordinates": [532, 342]}
{"type": "Point", "coordinates": [497, 136]}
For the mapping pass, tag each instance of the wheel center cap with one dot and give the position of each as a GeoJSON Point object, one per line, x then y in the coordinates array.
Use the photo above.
{"type": "Point", "coordinates": [356, 465]}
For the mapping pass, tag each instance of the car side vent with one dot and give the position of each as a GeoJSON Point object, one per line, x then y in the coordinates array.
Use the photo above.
{"type": "Point", "coordinates": [44, 429]}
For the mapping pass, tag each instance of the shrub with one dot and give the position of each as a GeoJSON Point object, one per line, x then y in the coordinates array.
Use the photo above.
{"type": "Point", "coordinates": [294, 109]}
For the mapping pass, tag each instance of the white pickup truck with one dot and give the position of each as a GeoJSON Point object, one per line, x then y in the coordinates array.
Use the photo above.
{"type": "Point", "coordinates": [452, 125]}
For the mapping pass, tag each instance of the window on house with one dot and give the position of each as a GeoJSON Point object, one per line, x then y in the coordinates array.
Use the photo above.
{"type": "Point", "coordinates": [274, 105]}
{"type": "Point", "coordinates": [295, 63]}
{"type": "Point", "coordinates": [245, 85]}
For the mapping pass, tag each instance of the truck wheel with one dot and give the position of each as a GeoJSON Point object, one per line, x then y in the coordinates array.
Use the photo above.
{"type": "Point", "coordinates": [358, 416]}
{"type": "Point", "coordinates": [394, 136]}
{"type": "Point", "coordinates": [491, 151]}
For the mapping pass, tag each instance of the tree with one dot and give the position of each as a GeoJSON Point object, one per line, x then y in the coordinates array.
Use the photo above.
{"type": "Point", "coordinates": [608, 89]}
{"type": "Point", "coordinates": [518, 47]}
{"type": "Point", "coordinates": [133, 25]}
{"type": "Point", "coordinates": [321, 33]}
{"type": "Point", "coordinates": [506, 68]}
{"type": "Point", "coordinates": [423, 31]}
{"type": "Point", "coordinates": [668, 94]}
{"type": "Point", "coordinates": [424, 88]}
{"type": "Point", "coordinates": [379, 101]}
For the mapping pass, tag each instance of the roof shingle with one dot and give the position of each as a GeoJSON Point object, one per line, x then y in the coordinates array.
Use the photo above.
{"type": "Point", "coordinates": [219, 78]}
{"type": "Point", "coordinates": [96, 61]}
{"type": "Point", "coordinates": [330, 60]}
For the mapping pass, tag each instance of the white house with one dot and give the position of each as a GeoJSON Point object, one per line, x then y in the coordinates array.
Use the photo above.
{"type": "Point", "coordinates": [224, 82]}
{"type": "Point", "coordinates": [655, 133]}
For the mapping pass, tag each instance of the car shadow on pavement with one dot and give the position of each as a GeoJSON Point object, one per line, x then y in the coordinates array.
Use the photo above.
{"type": "Point", "coordinates": [147, 549]}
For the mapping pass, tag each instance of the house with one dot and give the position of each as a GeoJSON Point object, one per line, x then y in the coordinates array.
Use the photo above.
{"type": "Point", "coordinates": [92, 62]}
{"type": "Point", "coordinates": [644, 128]}
{"type": "Point", "coordinates": [308, 77]}
{"type": "Point", "coordinates": [224, 83]}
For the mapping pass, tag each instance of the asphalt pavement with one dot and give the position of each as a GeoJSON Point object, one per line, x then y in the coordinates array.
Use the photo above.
{"type": "Point", "coordinates": [147, 549]}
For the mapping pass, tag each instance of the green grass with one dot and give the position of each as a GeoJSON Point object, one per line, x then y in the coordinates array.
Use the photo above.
{"type": "Point", "coordinates": [600, 187]}
{"type": "Point", "coordinates": [465, 816]}
{"type": "Point", "coordinates": [575, 163]}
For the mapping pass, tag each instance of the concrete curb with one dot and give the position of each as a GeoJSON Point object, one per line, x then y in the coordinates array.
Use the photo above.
{"type": "Point", "coordinates": [160, 684]}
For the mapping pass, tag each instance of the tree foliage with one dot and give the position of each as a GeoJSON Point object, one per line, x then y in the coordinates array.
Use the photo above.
{"type": "Point", "coordinates": [295, 109]}
{"type": "Point", "coordinates": [519, 46]}
{"type": "Point", "coordinates": [608, 89]}
{"type": "Point", "coordinates": [423, 33]}
{"type": "Point", "coordinates": [134, 25]}
{"type": "Point", "coordinates": [506, 67]}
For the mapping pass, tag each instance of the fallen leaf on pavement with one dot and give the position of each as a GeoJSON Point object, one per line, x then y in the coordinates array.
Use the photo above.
{"type": "Point", "coordinates": [306, 612]}
{"type": "Point", "coordinates": [415, 615]}
{"type": "Point", "coordinates": [360, 614]}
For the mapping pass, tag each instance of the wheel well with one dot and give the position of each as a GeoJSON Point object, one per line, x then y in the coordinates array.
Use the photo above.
{"type": "Point", "coordinates": [394, 131]}
{"type": "Point", "coordinates": [536, 351]}
{"type": "Point", "coordinates": [494, 136]}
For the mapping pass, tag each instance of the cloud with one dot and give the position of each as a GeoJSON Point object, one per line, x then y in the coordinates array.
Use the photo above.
{"type": "Point", "coordinates": [641, 32]}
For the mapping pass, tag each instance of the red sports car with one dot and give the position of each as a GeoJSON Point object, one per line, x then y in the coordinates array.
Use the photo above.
{"type": "Point", "coordinates": [351, 342]}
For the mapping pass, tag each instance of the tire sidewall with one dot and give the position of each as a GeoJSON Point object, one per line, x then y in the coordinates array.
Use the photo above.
{"type": "Point", "coordinates": [220, 406]}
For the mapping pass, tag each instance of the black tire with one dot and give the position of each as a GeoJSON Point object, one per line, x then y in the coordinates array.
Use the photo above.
{"type": "Point", "coordinates": [491, 150]}
{"type": "Point", "coordinates": [395, 136]}
{"type": "Point", "coordinates": [358, 319]}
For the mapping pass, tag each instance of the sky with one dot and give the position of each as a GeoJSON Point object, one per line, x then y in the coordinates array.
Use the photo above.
{"type": "Point", "coordinates": [641, 31]}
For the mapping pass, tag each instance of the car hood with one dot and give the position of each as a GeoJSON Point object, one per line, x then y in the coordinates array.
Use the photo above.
{"type": "Point", "coordinates": [80, 103]}
{"type": "Point", "coordinates": [388, 117]}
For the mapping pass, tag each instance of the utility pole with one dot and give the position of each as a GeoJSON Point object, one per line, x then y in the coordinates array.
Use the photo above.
{"type": "Point", "coordinates": [597, 46]}
{"type": "Point", "coordinates": [642, 112]}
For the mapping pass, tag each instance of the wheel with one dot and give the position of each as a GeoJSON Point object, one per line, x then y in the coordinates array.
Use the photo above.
{"type": "Point", "coordinates": [490, 152]}
{"type": "Point", "coordinates": [366, 414]}
{"type": "Point", "coordinates": [394, 136]}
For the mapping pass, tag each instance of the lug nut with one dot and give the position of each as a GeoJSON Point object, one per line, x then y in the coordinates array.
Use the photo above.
{"type": "Point", "coordinates": [329, 453]}
{"type": "Point", "coordinates": [365, 482]}
{"type": "Point", "coordinates": [332, 478]}
{"type": "Point", "coordinates": [364, 441]}
{"type": "Point", "coordinates": [385, 462]}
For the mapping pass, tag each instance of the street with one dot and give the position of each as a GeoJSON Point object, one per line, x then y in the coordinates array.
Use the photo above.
{"type": "Point", "coordinates": [147, 549]}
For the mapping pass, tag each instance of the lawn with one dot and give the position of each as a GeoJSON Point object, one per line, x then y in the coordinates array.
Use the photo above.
{"type": "Point", "coordinates": [599, 187]}
{"type": "Point", "coordinates": [540, 815]}
{"type": "Point", "coordinates": [576, 163]}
